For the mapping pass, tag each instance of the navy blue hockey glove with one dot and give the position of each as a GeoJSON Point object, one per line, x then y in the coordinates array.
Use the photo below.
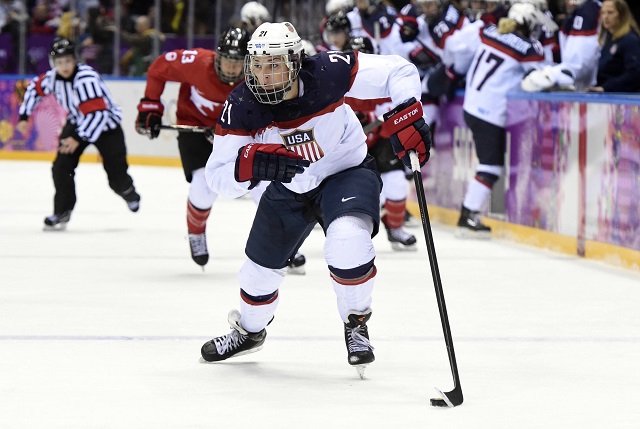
{"type": "Point", "coordinates": [149, 117]}
{"type": "Point", "coordinates": [257, 161]}
{"type": "Point", "coordinates": [408, 131]}
{"type": "Point", "coordinates": [408, 28]}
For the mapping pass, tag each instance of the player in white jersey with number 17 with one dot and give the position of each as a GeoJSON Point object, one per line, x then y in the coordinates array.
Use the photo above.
{"type": "Point", "coordinates": [288, 124]}
{"type": "Point", "coordinates": [505, 55]}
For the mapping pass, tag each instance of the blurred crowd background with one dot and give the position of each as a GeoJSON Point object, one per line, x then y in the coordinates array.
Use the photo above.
{"type": "Point", "coordinates": [120, 37]}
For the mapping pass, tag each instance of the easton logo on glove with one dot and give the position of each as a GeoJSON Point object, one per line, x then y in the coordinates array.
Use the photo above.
{"type": "Point", "coordinates": [408, 131]}
{"type": "Point", "coordinates": [406, 116]}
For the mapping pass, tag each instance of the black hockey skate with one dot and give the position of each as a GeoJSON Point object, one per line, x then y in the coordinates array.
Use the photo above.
{"type": "Point", "coordinates": [296, 264]}
{"type": "Point", "coordinates": [57, 222]}
{"type": "Point", "coordinates": [356, 337]}
{"type": "Point", "coordinates": [401, 239]}
{"type": "Point", "coordinates": [132, 198]}
{"type": "Point", "coordinates": [470, 226]}
{"type": "Point", "coordinates": [236, 343]}
{"type": "Point", "coordinates": [199, 251]}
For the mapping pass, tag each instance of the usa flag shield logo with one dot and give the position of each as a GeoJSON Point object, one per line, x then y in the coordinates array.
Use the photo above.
{"type": "Point", "coordinates": [304, 144]}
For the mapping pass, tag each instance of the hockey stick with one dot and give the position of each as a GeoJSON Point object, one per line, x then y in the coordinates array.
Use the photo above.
{"type": "Point", "coordinates": [373, 125]}
{"type": "Point", "coordinates": [454, 397]}
{"type": "Point", "coordinates": [187, 128]}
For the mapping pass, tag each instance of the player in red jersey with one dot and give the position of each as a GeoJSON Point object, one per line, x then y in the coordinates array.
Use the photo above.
{"type": "Point", "coordinates": [206, 79]}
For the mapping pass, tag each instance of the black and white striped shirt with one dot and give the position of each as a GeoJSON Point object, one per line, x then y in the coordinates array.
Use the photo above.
{"type": "Point", "coordinates": [84, 96]}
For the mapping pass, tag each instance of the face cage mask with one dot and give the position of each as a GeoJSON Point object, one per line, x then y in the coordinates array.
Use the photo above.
{"type": "Point", "coordinates": [227, 78]}
{"type": "Point", "coordinates": [272, 94]}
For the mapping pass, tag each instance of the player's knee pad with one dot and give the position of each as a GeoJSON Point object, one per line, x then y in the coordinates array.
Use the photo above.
{"type": "Point", "coordinates": [199, 193]}
{"type": "Point", "coordinates": [348, 248]}
{"type": "Point", "coordinates": [488, 174]}
{"type": "Point", "coordinates": [258, 281]}
{"type": "Point", "coordinates": [395, 185]}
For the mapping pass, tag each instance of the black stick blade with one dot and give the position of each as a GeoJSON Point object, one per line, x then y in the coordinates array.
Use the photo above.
{"type": "Point", "coordinates": [448, 399]}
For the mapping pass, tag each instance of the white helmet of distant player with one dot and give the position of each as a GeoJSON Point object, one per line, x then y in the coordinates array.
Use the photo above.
{"type": "Point", "coordinates": [530, 16]}
{"type": "Point", "coordinates": [308, 48]}
{"type": "Point", "coordinates": [253, 14]}
{"type": "Point", "coordinates": [272, 65]}
{"type": "Point", "coordinates": [540, 4]}
{"type": "Point", "coordinates": [334, 6]}
{"type": "Point", "coordinates": [527, 15]}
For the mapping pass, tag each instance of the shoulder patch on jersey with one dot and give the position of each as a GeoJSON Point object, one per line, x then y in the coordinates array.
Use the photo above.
{"type": "Point", "coordinates": [303, 142]}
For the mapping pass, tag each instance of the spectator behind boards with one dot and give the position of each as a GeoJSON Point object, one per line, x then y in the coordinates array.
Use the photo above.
{"type": "Point", "coordinates": [619, 66]}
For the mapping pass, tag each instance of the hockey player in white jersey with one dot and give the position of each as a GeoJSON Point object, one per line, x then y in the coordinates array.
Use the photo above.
{"type": "Point", "coordinates": [506, 53]}
{"type": "Point", "coordinates": [579, 50]}
{"type": "Point", "coordinates": [288, 124]}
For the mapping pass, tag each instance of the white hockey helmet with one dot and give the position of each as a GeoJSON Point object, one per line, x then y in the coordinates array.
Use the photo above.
{"type": "Point", "coordinates": [576, 2]}
{"type": "Point", "coordinates": [273, 62]}
{"type": "Point", "coordinates": [539, 4]}
{"type": "Point", "coordinates": [527, 15]}
{"type": "Point", "coordinates": [253, 14]}
{"type": "Point", "coordinates": [438, 2]}
{"type": "Point", "coordinates": [334, 6]}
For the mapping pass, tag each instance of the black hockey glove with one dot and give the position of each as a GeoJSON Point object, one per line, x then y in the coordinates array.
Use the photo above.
{"type": "Point", "coordinates": [258, 162]}
{"type": "Point", "coordinates": [408, 29]}
{"type": "Point", "coordinates": [409, 131]}
{"type": "Point", "coordinates": [149, 117]}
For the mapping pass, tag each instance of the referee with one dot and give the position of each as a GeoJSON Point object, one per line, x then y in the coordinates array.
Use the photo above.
{"type": "Point", "coordinates": [93, 118]}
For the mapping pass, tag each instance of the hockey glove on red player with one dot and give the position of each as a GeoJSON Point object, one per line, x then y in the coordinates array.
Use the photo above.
{"type": "Point", "coordinates": [149, 117]}
{"type": "Point", "coordinates": [408, 131]}
{"type": "Point", "coordinates": [258, 162]}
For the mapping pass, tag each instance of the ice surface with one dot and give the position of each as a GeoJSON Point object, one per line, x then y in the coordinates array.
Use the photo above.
{"type": "Point", "coordinates": [101, 325]}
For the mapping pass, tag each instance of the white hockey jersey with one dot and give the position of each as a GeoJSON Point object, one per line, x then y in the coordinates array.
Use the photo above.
{"type": "Point", "coordinates": [579, 46]}
{"type": "Point", "coordinates": [317, 124]}
{"type": "Point", "coordinates": [497, 68]}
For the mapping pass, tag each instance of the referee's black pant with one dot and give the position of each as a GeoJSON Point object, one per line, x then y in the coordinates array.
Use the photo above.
{"type": "Point", "coordinates": [113, 151]}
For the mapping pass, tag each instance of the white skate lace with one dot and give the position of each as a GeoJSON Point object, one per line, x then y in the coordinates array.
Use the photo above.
{"type": "Point", "coordinates": [229, 342]}
{"type": "Point", "coordinates": [357, 341]}
{"type": "Point", "coordinates": [198, 243]}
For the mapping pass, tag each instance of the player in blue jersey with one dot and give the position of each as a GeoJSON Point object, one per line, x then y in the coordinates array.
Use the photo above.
{"type": "Point", "coordinates": [288, 124]}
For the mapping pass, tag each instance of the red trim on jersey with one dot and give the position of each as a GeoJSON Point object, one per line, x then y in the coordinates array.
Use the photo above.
{"type": "Point", "coordinates": [355, 282]}
{"type": "Point", "coordinates": [39, 89]}
{"type": "Point", "coordinates": [258, 303]}
{"type": "Point", "coordinates": [359, 105]}
{"type": "Point", "coordinates": [93, 105]}
{"type": "Point", "coordinates": [510, 51]}
{"type": "Point", "coordinates": [354, 70]}
{"type": "Point", "coordinates": [234, 132]}
{"type": "Point", "coordinates": [450, 32]}
{"type": "Point", "coordinates": [581, 33]}
{"type": "Point", "coordinates": [300, 121]}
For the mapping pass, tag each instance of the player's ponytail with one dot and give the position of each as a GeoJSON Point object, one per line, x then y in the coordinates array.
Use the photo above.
{"type": "Point", "coordinates": [507, 25]}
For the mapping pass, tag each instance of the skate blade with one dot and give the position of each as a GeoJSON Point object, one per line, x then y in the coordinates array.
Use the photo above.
{"type": "Point", "coordinates": [296, 271]}
{"type": "Point", "coordinates": [466, 233]}
{"type": "Point", "coordinates": [360, 369]}
{"type": "Point", "coordinates": [246, 352]}
{"type": "Point", "coordinates": [399, 247]}
{"type": "Point", "coordinates": [55, 228]}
